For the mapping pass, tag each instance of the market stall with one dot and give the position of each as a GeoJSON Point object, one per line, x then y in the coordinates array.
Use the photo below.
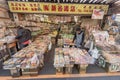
{"type": "Point", "coordinates": [68, 57]}
{"type": "Point", "coordinates": [29, 60]}
{"type": "Point", "coordinates": [106, 50]}
{"type": "Point", "coordinates": [52, 49]}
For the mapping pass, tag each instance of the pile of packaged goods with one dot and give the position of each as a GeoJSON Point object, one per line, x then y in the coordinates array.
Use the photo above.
{"type": "Point", "coordinates": [111, 57]}
{"type": "Point", "coordinates": [8, 39]}
{"type": "Point", "coordinates": [47, 29]}
{"type": "Point", "coordinates": [53, 34]}
{"type": "Point", "coordinates": [109, 49]}
{"type": "Point", "coordinates": [100, 36]}
{"type": "Point", "coordinates": [29, 57]}
{"type": "Point", "coordinates": [10, 23]}
{"type": "Point", "coordinates": [110, 61]}
{"type": "Point", "coordinates": [65, 56]}
{"type": "Point", "coordinates": [66, 39]}
{"type": "Point", "coordinates": [60, 42]}
{"type": "Point", "coordinates": [44, 38]}
{"type": "Point", "coordinates": [104, 41]}
{"type": "Point", "coordinates": [66, 29]}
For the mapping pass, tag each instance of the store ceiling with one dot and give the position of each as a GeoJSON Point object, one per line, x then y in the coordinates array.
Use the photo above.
{"type": "Point", "coordinates": [74, 1]}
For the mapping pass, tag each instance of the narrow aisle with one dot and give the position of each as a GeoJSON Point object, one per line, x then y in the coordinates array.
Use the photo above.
{"type": "Point", "coordinates": [48, 67]}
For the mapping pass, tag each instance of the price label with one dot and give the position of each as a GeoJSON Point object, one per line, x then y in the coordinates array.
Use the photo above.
{"type": "Point", "coordinates": [101, 62]}
{"type": "Point", "coordinates": [114, 67]}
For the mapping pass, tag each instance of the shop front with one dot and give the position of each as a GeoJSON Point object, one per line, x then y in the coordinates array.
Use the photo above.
{"type": "Point", "coordinates": [53, 52]}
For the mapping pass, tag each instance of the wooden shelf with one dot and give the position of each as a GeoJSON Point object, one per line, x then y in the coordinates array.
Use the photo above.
{"type": "Point", "coordinates": [4, 18]}
{"type": "Point", "coordinates": [31, 20]}
{"type": "Point", "coordinates": [48, 22]}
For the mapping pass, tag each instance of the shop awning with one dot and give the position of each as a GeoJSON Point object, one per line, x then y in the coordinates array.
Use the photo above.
{"type": "Point", "coordinates": [73, 1]}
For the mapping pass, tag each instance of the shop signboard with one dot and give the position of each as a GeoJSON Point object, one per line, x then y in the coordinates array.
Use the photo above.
{"type": "Point", "coordinates": [98, 14]}
{"type": "Point", "coordinates": [54, 8]}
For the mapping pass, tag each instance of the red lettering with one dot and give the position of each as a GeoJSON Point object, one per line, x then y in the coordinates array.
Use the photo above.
{"type": "Point", "coordinates": [36, 9]}
{"type": "Point", "coordinates": [85, 10]}
{"type": "Point", "coordinates": [23, 4]}
{"type": "Point", "coordinates": [53, 7]}
{"type": "Point", "coordinates": [26, 8]}
{"type": "Point", "coordinates": [46, 7]}
{"type": "Point", "coordinates": [60, 8]}
{"type": "Point", "coordinates": [90, 7]}
{"type": "Point", "coordinates": [16, 8]}
{"type": "Point", "coordinates": [19, 8]}
{"type": "Point", "coordinates": [84, 6]}
{"type": "Point", "coordinates": [66, 8]}
{"type": "Point", "coordinates": [79, 10]}
{"type": "Point", "coordinates": [90, 10]}
{"type": "Point", "coordinates": [35, 5]}
{"type": "Point", "coordinates": [32, 9]}
{"type": "Point", "coordinates": [100, 7]}
{"type": "Point", "coordinates": [23, 9]}
{"type": "Point", "coordinates": [95, 7]}
{"type": "Point", "coordinates": [72, 9]}
{"type": "Point", "coordinates": [19, 4]}
{"type": "Point", "coordinates": [13, 8]}
{"type": "Point", "coordinates": [31, 5]}
{"type": "Point", "coordinates": [12, 4]}
{"type": "Point", "coordinates": [16, 4]}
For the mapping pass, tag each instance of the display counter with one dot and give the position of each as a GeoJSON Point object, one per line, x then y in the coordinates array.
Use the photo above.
{"type": "Point", "coordinates": [29, 60]}
{"type": "Point", "coordinates": [68, 57]}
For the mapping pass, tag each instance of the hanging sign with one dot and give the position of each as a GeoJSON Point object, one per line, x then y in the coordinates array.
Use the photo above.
{"type": "Point", "coordinates": [54, 8]}
{"type": "Point", "coordinates": [98, 14]}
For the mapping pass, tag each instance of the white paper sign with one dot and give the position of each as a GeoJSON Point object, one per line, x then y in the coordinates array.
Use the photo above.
{"type": "Point", "coordinates": [97, 14]}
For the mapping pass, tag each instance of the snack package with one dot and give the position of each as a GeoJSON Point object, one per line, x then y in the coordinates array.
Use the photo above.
{"type": "Point", "coordinates": [34, 60]}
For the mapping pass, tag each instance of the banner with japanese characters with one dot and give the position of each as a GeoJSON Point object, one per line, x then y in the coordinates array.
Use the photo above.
{"type": "Point", "coordinates": [54, 8]}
